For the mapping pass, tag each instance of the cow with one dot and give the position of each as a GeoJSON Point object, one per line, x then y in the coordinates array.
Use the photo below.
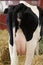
{"type": "Point", "coordinates": [5, 10]}
{"type": "Point", "coordinates": [24, 32]}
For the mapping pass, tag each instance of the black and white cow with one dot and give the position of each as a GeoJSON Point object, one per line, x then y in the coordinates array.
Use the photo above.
{"type": "Point", "coordinates": [6, 10]}
{"type": "Point", "coordinates": [24, 31]}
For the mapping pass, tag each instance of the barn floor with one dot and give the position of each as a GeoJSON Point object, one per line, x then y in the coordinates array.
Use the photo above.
{"type": "Point", "coordinates": [4, 57]}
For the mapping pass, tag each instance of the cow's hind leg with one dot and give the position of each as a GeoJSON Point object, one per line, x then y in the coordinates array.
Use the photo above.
{"type": "Point", "coordinates": [14, 59]}
{"type": "Point", "coordinates": [13, 54]}
{"type": "Point", "coordinates": [30, 52]}
{"type": "Point", "coordinates": [12, 51]}
{"type": "Point", "coordinates": [31, 45]}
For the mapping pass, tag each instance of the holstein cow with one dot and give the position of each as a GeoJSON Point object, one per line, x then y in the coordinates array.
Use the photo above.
{"type": "Point", "coordinates": [6, 10]}
{"type": "Point", "coordinates": [24, 32]}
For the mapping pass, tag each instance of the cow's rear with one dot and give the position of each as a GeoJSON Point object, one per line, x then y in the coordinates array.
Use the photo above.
{"type": "Point", "coordinates": [24, 32]}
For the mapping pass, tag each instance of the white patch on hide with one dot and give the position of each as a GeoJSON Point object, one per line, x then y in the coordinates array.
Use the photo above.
{"type": "Point", "coordinates": [33, 8]}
